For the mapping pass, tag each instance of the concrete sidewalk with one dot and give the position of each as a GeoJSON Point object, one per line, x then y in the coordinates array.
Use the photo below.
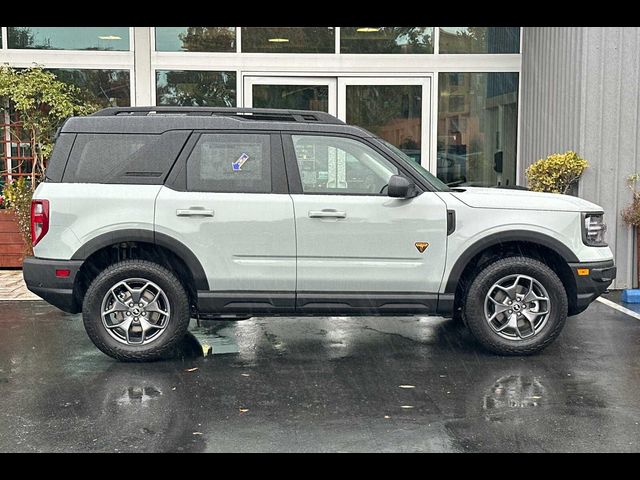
{"type": "Point", "coordinates": [12, 286]}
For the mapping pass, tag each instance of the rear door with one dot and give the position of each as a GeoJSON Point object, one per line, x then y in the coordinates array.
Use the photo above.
{"type": "Point", "coordinates": [227, 201]}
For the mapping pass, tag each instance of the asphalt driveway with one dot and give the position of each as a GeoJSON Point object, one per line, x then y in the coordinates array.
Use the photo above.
{"type": "Point", "coordinates": [329, 384]}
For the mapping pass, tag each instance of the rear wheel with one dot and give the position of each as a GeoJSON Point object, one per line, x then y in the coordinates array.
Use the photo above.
{"type": "Point", "coordinates": [136, 310]}
{"type": "Point", "coordinates": [516, 306]}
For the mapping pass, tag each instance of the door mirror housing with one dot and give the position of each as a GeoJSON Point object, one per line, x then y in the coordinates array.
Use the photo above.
{"type": "Point", "coordinates": [401, 187]}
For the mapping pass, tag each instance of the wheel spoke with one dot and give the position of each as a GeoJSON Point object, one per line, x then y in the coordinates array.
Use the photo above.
{"type": "Point", "coordinates": [510, 291]}
{"type": "Point", "coordinates": [125, 324]}
{"type": "Point", "coordinates": [117, 306]}
{"type": "Point", "coordinates": [136, 293]}
{"type": "Point", "coordinates": [499, 308]}
{"type": "Point", "coordinates": [513, 323]}
{"type": "Point", "coordinates": [154, 307]}
{"type": "Point", "coordinates": [532, 297]}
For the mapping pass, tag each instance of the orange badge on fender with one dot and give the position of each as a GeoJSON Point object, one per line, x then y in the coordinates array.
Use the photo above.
{"type": "Point", "coordinates": [421, 246]}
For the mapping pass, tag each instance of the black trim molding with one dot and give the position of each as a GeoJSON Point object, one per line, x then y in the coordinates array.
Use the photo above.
{"type": "Point", "coordinates": [323, 303]}
{"type": "Point", "coordinates": [147, 236]}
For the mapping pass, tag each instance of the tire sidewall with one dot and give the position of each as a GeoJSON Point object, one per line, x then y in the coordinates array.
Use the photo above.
{"type": "Point", "coordinates": [475, 303]}
{"type": "Point", "coordinates": [176, 295]}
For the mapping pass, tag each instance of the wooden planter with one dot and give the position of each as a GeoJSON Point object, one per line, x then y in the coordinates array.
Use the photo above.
{"type": "Point", "coordinates": [12, 246]}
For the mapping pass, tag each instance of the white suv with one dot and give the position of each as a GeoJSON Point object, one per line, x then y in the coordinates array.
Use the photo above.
{"type": "Point", "coordinates": [149, 216]}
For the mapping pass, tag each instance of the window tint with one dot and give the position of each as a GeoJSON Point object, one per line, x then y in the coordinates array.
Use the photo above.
{"type": "Point", "coordinates": [230, 163]}
{"type": "Point", "coordinates": [340, 165]}
{"type": "Point", "coordinates": [123, 158]}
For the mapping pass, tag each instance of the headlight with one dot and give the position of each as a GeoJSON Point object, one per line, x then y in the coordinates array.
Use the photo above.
{"type": "Point", "coordinates": [593, 229]}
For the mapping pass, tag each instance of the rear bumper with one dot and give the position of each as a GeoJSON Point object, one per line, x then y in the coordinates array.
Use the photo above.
{"type": "Point", "coordinates": [591, 286]}
{"type": "Point", "coordinates": [40, 277]}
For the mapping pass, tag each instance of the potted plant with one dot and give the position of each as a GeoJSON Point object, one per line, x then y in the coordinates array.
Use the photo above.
{"type": "Point", "coordinates": [631, 216]}
{"type": "Point", "coordinates": [42, 103]}
{"type": "Point", "coordinates": [558, 173]}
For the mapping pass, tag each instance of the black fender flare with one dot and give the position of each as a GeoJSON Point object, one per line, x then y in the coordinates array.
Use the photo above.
{"type": "Point", "coordinates": [147, 236]}
{"type": "Point", "coordinates": [504, 237]}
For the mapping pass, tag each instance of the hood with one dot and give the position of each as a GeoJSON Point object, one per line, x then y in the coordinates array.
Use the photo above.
{"type": "Point", "coordinates": [509, 199]}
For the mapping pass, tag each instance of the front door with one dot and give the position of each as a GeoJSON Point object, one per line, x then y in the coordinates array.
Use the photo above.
{"type": "Point", "coordinates": [357, 248]}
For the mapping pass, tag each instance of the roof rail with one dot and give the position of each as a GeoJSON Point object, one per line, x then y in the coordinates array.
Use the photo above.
{"type": "Point", "coordinates": [278, 115]}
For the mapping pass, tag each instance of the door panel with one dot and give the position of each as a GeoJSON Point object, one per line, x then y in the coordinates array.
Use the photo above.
{"type": "Point", "coordinates": [352, 238]}
{"type": "Point", "coordinates": [243, 245]}
{"type": "Point", "coordinates": [372, 248]}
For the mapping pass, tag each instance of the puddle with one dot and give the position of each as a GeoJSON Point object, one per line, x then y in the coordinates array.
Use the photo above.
{"type": "Point", "coordinates": [515, 391]}
{"type": "Point", "coordinates": [215, 338]}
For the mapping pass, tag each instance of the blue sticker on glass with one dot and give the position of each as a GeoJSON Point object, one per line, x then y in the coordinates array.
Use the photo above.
{"type": "Point", "coordinates": [237, 165]}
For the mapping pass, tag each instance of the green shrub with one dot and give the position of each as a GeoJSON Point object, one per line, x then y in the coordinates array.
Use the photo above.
{"type": "Point", "coordinates": [556, 173]}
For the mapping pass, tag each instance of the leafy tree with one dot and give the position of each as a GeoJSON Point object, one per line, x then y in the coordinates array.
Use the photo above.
{"type": "Point", "coordinates": [208, 39]}
{"type": "Point", "coordinates": [42, 102]}
{"type": "Point", "coordinates": [387, 40]}
{"type": "Point", "coordinates": [197, 88]}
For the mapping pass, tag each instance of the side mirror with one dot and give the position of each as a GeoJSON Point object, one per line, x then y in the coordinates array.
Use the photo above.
{"type": "Point", "coordinates": [401, 187]}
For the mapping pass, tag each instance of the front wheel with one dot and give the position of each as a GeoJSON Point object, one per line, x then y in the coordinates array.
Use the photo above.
{"type": "Point", "coordinates": [516, 306]}
{"type": "Point", "coordinates": [136, 310]}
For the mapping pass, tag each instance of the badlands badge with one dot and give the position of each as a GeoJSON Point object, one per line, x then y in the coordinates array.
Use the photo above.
{"type": "Point", "coordinates": [422, 246]}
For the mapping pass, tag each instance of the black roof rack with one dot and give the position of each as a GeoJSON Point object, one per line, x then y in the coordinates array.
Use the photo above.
{"type": "Point", "coordinates": [265, 114]}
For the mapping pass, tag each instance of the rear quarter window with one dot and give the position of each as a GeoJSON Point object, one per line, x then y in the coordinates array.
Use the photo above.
{"type": "Point", "coordinates": [123, 158]}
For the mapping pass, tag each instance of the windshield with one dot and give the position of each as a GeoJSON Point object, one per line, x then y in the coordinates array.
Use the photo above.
{"type": "Point", "coordinates": [438, 184]}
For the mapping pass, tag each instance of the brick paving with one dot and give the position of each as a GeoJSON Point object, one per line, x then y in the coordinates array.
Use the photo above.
{"type": "Point", "coordinates": [12, 286]}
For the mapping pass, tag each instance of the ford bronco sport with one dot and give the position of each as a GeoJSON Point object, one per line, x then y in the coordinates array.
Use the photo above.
{"type": "Point", "coordinates": [149, 216]}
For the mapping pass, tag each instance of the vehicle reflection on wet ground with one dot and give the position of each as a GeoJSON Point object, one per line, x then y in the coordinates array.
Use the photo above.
{"type": "Point", "coordinates": [319, 384]}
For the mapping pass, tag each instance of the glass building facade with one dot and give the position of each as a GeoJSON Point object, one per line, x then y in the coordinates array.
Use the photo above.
{"type": "Point", "coordinates": [446, 96]}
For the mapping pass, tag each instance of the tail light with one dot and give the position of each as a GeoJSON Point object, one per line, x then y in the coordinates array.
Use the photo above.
{"type": "Point", "coordinates": [39, 220]}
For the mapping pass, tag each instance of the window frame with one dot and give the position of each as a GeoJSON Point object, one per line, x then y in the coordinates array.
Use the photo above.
{"type": "Point", "coordinates": [293, 171]}
{"type": "Point", "coordinates": [177, 178]}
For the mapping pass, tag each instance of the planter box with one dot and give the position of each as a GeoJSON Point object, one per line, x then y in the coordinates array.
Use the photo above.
{"type": "Point", "coordinates": [12, 246]}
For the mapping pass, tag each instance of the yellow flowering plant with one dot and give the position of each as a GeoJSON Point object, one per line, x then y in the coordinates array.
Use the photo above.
{"type": "Point", "coordinates": [556, 173]}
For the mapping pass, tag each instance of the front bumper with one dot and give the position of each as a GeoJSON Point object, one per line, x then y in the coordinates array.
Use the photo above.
{"type": "Point", "coordinates": [590, 286]}
{"type": "Point", "coordinates": [40, 276]}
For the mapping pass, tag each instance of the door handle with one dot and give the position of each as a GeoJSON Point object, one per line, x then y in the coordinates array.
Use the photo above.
{"type": "Point", "coordinates": [327, 213]}
{"type": "Point", "coordinates": [194, 212]}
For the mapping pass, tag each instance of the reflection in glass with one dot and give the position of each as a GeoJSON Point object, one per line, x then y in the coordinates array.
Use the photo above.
{"type": "Point", "coordinates": [193, 88]}
{"type": "Point", "coordinates": [196, 39]}
{"type": "Point", "coordinates": [386, 39]}
{"type": "Point", "coordinates": [479, 40]}
{"type": "Point", "coordinates": [477, 126]}
{"type": "Point", "coordinates": [69, 38]}
{"type": "Point", "coordinates": [296, 97]}
{"type": "Point", "coordinates": [107, 88]}
{"type": "Point", "coordinates": [288, 39]}
{"type": "Point", "coordinates": [393, 112]}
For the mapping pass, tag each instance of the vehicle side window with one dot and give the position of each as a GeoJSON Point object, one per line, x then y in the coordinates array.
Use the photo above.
{"type": "Point", "coordinates": [123, 158]}
{"type": "Point", "coordinates": [230, 162]}
{"type": "Point", "coordinates": [340, 165]}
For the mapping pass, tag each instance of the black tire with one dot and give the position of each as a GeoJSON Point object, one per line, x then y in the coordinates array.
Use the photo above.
{"type": "Point", "coordinates": [474, 310]}
{"type": "Point", "coordinates": [177, 325]}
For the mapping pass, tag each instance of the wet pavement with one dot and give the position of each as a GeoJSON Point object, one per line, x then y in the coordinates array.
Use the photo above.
{"type": "Point", "coordinates": [324, 384]}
